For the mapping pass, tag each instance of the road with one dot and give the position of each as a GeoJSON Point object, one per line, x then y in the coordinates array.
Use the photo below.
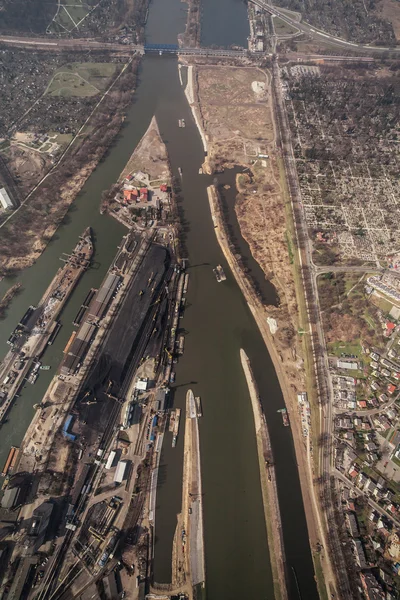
{"type": "Point", "coordinates": [320, 358]}
{"type": "Point", "coordinates": [371, 502]}
{"type": "Point", "coordinates": [322, 36]}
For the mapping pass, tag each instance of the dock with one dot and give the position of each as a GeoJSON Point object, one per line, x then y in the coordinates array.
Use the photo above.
{"type": "Point", "coordinates": [39, 326]}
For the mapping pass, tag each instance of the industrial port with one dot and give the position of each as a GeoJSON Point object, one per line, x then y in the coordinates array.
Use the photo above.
{"type": "Point", "coordinates": [38, 327]}
{"type": "Point", "coordinates": [80, 492]}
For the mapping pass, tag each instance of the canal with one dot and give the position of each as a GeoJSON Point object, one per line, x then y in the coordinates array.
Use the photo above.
{"type": "Point", "coordinates": [218, 323]}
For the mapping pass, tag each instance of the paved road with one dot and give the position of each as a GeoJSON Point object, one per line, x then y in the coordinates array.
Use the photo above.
{"type": "Point", "coordinates": [321, 36]}
{"type": "Point", "coordinates": [371, 502]}
{"type": "Point", "coordinates": [320, 358]}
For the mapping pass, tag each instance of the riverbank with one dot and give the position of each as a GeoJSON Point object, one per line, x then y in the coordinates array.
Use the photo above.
{"type": "Point", "coordinates": [39, 215]}
{"type": "Point", "coordinates": [268, 486]}
{"type": "Point", "coordinates": [260, 314]}
{"type": "Point", "coordinates": [7, 298]}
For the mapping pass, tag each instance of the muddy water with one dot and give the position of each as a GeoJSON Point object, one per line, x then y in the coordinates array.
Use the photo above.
{"type": "Point", "coordinates": [218, 324]}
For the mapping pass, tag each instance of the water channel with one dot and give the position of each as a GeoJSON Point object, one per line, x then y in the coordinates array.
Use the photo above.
{"type": "Point", "coordinates": [218, 324]}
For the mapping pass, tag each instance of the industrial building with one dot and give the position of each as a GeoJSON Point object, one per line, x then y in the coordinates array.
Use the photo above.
{"type": "Point", "coordinates": [103, 298]}
{"type": "Point", "coordinates": [5, 199]}
{"type": "Point", "coordinates": [78, 348]}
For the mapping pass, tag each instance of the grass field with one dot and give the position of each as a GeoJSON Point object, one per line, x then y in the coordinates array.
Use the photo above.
{"type": "Point", "coordinates": [81, 79]}
{"type": "Point", "coordinates": [339, 348]}
{"type": "Point", "coordinates": [283, 28]}
{"type": "Point", "coordinates": [69, 16]}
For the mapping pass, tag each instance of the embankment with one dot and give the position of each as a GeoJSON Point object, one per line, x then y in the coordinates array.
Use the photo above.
{"type": "Point", "coordinates": [268, 486]}
{"type": "Point", "coordinates": [260, 314]}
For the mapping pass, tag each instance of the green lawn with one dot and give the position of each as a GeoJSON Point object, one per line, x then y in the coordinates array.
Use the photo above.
{"type": "Point", "coordinates": [81, 79]}
{"type": "Point", "coordinates": [283, 28]}
{"type": "Point", "coordinates": [338, 348]}
{"type": "Point", "coordinates": [323, 594]}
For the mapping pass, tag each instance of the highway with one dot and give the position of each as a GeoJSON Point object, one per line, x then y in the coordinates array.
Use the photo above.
{"type": "Point", "coordinates": [322, 36]}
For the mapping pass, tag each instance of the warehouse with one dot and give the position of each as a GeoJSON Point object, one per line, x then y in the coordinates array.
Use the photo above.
{"type": "Point", "coordinates": [78, 348]}
{"type": "Point", "coordinates": [103, 297]}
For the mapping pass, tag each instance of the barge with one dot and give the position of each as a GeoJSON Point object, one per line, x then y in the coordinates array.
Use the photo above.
{"type": "Point", "coordinates": [285, 416]}
{"type": "Point", "coordinates": [219, 273]}
{"type": "Point", "coordinates": [175, 428]}
{"type": "Point", "coordinates": [11, 460]}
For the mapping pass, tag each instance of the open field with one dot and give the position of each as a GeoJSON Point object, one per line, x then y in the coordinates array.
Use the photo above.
{"type": "Point", "coordinates": [390, 10]}
{"type": "Point", "coordinates": [283, 28]}
{"type": "Point", "coordinates": [81, 79]}
{"type": "Point", "coordinates": [349, 317]}
{"type": "Point", "coordinates": [233, 105]}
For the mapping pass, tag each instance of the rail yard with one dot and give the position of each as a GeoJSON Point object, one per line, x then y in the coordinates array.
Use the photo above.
{"type": "Point", "coordinates": [80, 487]}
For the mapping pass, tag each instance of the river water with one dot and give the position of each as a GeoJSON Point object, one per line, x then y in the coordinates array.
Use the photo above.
{"type": "Point", "coordinates": [218, 324]}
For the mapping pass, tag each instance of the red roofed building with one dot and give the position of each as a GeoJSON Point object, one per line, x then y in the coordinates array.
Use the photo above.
{"type": "Point", "coordinates": [391, 388]}
{"type": "Point", "coordinates": [143, 193]}
{"type": "Point", "coordinates": [163, 188]}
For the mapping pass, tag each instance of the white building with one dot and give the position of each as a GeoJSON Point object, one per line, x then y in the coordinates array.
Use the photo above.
{"type": "Point", "coordinates": [5, 199]}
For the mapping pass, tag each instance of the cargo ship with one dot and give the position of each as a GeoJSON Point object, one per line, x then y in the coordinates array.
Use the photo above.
{"type": "Point", "coordinates": [285, 416]}
{"type": "Point", "coordinates": [219, 273]}
{"type": "Point", "coordinates": [11, 460]}
{"type": "Point", "coordinates": [175, 430]}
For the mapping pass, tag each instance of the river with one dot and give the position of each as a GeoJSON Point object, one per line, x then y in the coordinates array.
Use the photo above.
{"type": "Point", "coordinates": [218, 324]}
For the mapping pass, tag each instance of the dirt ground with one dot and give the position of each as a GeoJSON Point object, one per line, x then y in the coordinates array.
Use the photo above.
{"type": "Point", "coordinates": [389, 9]}
{"type": "Point", "coordinates": [150, 156]}
{"type": "Point", "coordinates": [239, 126]}
{"type": "Point", "coordinates": [262, 214]}
{"type": "Point", "coordinates": [235, 138]}
{"type": "Point", "coordinates": [28, 166]}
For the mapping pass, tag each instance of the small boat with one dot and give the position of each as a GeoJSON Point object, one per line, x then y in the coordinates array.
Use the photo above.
{"type": "Point", "coordinates": [219, 273]}
{"type": "Point", "coordinates": [172, 377]}
{"type": "Point", "coordinates": [180, 171]}
{"type": "Point", "coordinates": [45, 368]}
{"type": "Point", "coordinates": [285, 416]}
{"type": "Point", "coordinates": [183, 123]}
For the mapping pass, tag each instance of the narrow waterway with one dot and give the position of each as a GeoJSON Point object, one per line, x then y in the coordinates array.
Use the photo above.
{"type": "Point", "coordinates": [218, 324]}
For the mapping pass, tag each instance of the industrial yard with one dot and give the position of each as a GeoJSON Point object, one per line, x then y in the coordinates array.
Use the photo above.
{"type": "Point", "coordinates": [92, 451]}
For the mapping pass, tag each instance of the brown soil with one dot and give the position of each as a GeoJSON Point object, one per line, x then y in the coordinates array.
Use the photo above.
{"type": "Point", "coordinates": [150, 156]}
{"type": "Point", "coordinates": [343, 328]}
{"type": "Point", "coordinates": [389, 9]}
{"type": "Point", "coordinates": [236, 138]}
{"type": "Point", "coordinates": [39, 240]}
{"type": "Point", "coordinates": [28, 165]}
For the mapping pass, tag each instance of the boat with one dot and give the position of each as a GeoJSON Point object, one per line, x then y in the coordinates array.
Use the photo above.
{"type": "Point", "coordinates": [219, 273]}
{"type": "Point", "coordinates": [176, 426]}
{"type": "Point", "coordinates": [172, 377]}
{"type": "Point", "coordinates": [198, 406]}
{"type": "Point", "coordinates": [180, 171]}
{"type": "Point", "coordinates": [34, 374]}
{"type": "Point", "coordinates": [186, 283]}
{"type": "Point", "coordinates": [183, 123]}
{"type": "Point", "coordinates": [5, 482]}
{"type": "Point", "coordinates": [181, 344]}
{"type": "Point", "coordinates": [285, 416]}
{"type": "Point", "coordinates": [10, 462]}
{"type": "Point", "coordinates": [45, 368]}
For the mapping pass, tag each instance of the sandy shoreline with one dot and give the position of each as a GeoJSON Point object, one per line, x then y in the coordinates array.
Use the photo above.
{"type": "Point", "coordinates": [268, 487]}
